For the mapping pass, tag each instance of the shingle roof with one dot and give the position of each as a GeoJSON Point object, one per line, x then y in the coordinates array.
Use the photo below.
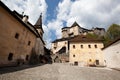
{"type": "Point", "coordinates": [62, 39]}
{"type": "Point", "coordinates": [99, 28]}
{"type": "Point", "coordinates": [83, 38]}
{"type": "Point", "coordinates": [38, 24]}
{"type": "Point", "coordinates": [75, 24]}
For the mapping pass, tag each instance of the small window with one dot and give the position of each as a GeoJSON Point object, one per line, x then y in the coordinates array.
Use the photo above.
{"type": "Point", "coordinates": [10, 56]}
{"type": "Point", "coordinates": [73, 46]}
{"type": "Point", "coordinates": [90, 60]}
{"type": "Point", "coordinates": [55, 44]}
{"type": "Point", "coordinates": [89, 46]}
{"type": "Point", "coordinates": [75, 63]}
{"type": "Point", "coordinates": [81, 46]}
{"type": "Point", "coordinates": [29, 42]}
{"type": "Point", "coordinates": [27, 57]}
{"type": "Point", "coordinates": [97, 62]}
{"type": "Point", "coordinates": [54, 47]}
{"type": "Point", "coordinates": [95, 46]}
{"type": "Point", "coordinates": [73, 55]}
{"type": "Point", "coordinates": [16, 35]}
{"type": "Point", "coordinates": [65, 42]}
{"type": "Point", "coordinates": [105, 61]}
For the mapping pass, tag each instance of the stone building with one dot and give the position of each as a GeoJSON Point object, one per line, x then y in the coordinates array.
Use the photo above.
{"type": "Point", "coordinates": [68, 33]}
{"type": "Point", "coordinates": [18, 37]}
{"type": "Point", "coordinates": [112, 54]}
{"type": "Point", "coordinates": [60, 49]}
{"type": "Point", "coordinates": [86, 51]}
{"type": "Point", "coordinates": [99, 31]}
{"type": "Point", "coordinates": [74, 30]}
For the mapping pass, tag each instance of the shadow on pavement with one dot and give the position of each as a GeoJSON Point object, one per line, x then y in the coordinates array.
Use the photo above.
{"type": "Point", "coordinates": [10, 69]}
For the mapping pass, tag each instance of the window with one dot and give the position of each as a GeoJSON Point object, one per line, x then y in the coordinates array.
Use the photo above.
{"type": "Point", "coordinates": [55, 47]}
{"type": "Point", "coordinates": [105, 61]}
{"type": "Point", "coordinates": [97, 62]}
{"type": "Point", "coordinates": [90, 60]}
{"type": "Point", "coordinates": [89, 46]}
{"type": "Point", "coordinates": [27, 57]}
{"type": "Point", "coordinates": [10, 56]}
{"type": "Point", "coordinates": [16, 35]}
{"type": "Point", "coordinates": [29, 42]}
{"type": "Point", "coordinates": [75, 63]}
{"type": "Point", "coordinates": [55, 44]}
{"type": "Point", "coordinates": [73, 55]}
{"type": "Point", "coordinates": [73, 46]}
{"type": "Point", "coordinates": [95, 46]}
{"type": "Point", "coordinates": [65, 42]}
{"type": "Point", "coordinates": [81, 46]}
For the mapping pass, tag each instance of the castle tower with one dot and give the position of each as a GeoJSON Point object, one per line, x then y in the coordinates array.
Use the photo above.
{"type": "Point", "coordinates": [38, 25]}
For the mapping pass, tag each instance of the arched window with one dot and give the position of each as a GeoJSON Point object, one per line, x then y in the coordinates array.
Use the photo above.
{"type": "Point", "coordinates": [10, 56]}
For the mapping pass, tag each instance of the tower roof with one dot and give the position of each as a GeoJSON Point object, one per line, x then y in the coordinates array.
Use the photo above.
{"type": "Point", "coordinates": [75, 24]}
{"type": "Point", "coordinates": [38, 24]}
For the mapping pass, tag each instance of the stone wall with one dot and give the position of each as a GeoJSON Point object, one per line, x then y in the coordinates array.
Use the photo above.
{"type": "Point", "coordinates": [112, 55]}
{"type": "Point", "coordinates": [86, 55]}
{"type": "Point", "coordinates": [15, 39]}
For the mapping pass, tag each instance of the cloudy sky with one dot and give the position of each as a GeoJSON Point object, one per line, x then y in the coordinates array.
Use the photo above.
{"type": "Point", "coordinates": [62, 13]}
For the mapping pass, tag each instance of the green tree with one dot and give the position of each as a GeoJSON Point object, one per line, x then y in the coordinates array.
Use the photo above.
{"type": "Point", "coordinates": [113, 31]}
{"type": "Point", "coordinates": [92, 35]}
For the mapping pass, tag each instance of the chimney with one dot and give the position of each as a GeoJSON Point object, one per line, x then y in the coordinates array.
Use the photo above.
{"type": "Point", "coordinates": [25, 18]}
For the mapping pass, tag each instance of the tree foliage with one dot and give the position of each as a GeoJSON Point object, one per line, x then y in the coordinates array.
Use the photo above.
{"type": "Point", "coordinates": [92, 35]}
{"type": "Point", "coordinates": [112, 33]}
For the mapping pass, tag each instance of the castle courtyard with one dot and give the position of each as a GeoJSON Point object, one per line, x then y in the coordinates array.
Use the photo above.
{"type": "Point", "coordinates": [59, 71]}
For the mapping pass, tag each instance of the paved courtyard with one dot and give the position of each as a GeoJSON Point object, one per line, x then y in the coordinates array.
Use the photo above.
{"type": "Point", "coordinates": [61, 72]}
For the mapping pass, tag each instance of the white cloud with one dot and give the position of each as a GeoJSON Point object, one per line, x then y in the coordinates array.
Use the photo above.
{"type": "Point", "coordinates": [52, 28]}
{"type": "Point", "coordinates": [63, 10]}
{"type": "Point", "coordinates": [88, 13]}
{"type": "Point", "coordinates": [32, 9]}
{"type": "Point", "coordinates": [95, 13]}
{"type": "Point", "coordinates": [29, 7]}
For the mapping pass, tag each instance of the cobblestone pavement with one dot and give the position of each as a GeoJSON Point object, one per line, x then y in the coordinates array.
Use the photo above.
{"type": "Point", "coordinates": [62, 72]}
